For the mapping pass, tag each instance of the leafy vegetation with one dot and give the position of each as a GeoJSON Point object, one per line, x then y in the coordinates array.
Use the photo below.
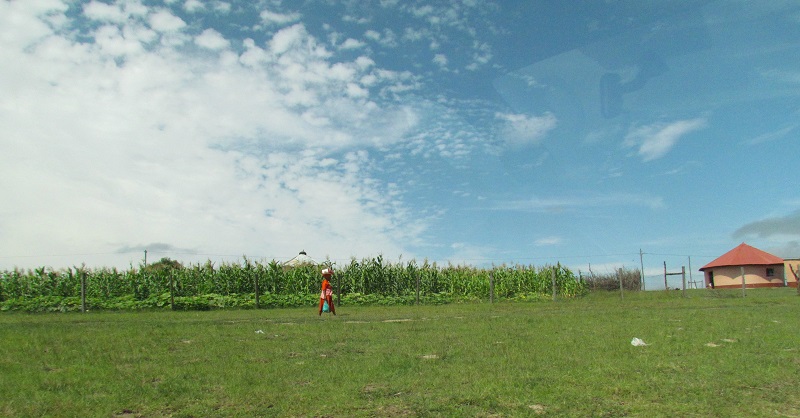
{"type": "Point", "coordinates": [167, 283]}
{"type": "Point", "coordinates": [631, 280]}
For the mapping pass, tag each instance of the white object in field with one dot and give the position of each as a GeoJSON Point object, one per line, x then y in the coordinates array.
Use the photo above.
{"type": "Point", "coordinates": [637, 342]}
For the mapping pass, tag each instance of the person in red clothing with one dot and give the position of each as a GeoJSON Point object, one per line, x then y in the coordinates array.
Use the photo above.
{"type": "Point", "coordinates": [327, 291]}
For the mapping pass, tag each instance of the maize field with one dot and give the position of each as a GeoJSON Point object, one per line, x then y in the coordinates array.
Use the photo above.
{"type": "Point", "coordinates": [206, 286]}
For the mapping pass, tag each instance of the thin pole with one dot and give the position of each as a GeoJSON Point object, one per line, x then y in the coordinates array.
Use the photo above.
{"type": "Point", "coordinates": [553, 275]}
{"type": "Point", "coordinates": [683, 275]}
{"type": "Point", "coordinates": [641, 272]}
{"type": "Point", "coordinates": [255, 284]}
{"type": "Point", "coordinates": [416, 273]}
{"type": "Point", "coordinates": [665, 276]}
{"type": "Point", "coordinates": [171, 291]}
{"type": "Point", "coordinates": [744, 284]}
{"type": "Point", "coordinates": [690, 272]}
{"type": "Point", "coordinates": [83, 290]}
{"type": "Point", "coordinates": [619, 277]}
{"type": "Point", "coordinates": [491, 286]}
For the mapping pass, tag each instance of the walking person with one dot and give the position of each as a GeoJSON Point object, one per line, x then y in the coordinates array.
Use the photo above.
{"type": "Point", "coordinates": [327, 291]}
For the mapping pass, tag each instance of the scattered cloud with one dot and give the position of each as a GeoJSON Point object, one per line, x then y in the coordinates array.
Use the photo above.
{"type": "Point", "coordinates": [193, 6]}
{"type": "Point", "coordinates": [774, 135]}
{"type": "Point", "coordinates": [152, 142]}
{"type": "Point", "coordinates": [351, 43]}
{"type": "Point", "coordinates": [548, 241]}
{"type": "Point", "coordinates": [279, 19]}
{"type": "Point", "coordinates": [564, 204]}
{"type": "Point", "coordinates": [212, 39]}
{"type": "Point", "coordinates": [440, 60]}
{"type": "Point", "coordinates": [521, 129]}
{"type": "Point", "coordinates": [164, 21]}
{"type": "Point", "coordinates": [656, 140]}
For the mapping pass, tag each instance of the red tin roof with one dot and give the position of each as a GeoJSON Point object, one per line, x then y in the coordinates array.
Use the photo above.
{"type": "Point", "coordinates": [744, 255]}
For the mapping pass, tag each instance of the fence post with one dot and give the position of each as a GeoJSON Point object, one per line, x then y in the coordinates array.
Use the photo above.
{"type": "Point", "coordinates": [744, 283]}
{"type": "Point", "coordinates": [491, 286]}
{"type": "Point", "coordinates": [416, 273]}
{"type": "Point", "coordinates": [171, 290]}
{"type": "Point", "coordinates": [83, 290]}
{"type": "Point", "coordinates": [619, 277]}
{"type": "Point", "coordinates": [683, 275]}
{"type": "Point", "coordinates": [255, 283]}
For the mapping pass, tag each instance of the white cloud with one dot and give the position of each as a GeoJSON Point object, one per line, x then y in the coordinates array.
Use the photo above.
{"type": "Point", "coordinates": [566, 204]}
{"type": "Point", "coordinates": [440, 60]}
{"type": "Point", "coordinates": [520, 129]}
{"type": "Point", "coordinates": [193, 6]}
{"type": "Point", "coordinates": [222, 7]}
{"type": "Point", "coordinates": [656, 140]}
{"type": "Point", "coordinates": [351, 43]}
{"type": "Point", "coordinates": [211, 39]}
{"type": "Point", "coordinates": [548, 241]}
{"type": "Point", "coordinates": [96, 10]}
{"type": "Point", "coordinates": [257, 154]}
{"type": "Point", "coordinates": [273, 18]}
{"type": "Point", "coordinates": [164, 21]}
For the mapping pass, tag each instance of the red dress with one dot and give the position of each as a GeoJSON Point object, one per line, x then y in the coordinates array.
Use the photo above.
{"type": "Point", "coordinates": [326, 295]}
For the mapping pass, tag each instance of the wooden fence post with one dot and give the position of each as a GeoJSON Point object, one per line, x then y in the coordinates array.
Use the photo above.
{"type": "Point", "coordinates": [171, 290]}
{"type": "Point", "coordinates": [619, 277]}
{"type": "Point", "coordinates": [683, 275]}
{"type": "Point", "coordinates": [491, 286]}
{"type": "Point", "coordinates": [744, 282]}
{"type": "Point", "coordinates": [255, 283]}
{"type": "Point", "coordinates": [416, 273]}
{"type": "Point", "coordinates": [83, 290]}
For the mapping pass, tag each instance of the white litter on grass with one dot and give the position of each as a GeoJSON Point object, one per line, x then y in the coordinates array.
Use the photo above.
{"type": "Point", "coordinates": [259, 332]}
{"type": "Point", "coordinates": [637, 342]}
{"type": "Point", "coordinates": [712, 345]}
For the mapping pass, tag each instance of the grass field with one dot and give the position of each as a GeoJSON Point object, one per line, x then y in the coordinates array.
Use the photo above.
{"type": "Point", "coordinates": [711, 354]}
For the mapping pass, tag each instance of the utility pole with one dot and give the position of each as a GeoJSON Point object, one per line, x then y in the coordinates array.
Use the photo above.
{"type": "Point", "coordinates": [145, 258]}
{"type": "Point", "coordinates": [641, 272]}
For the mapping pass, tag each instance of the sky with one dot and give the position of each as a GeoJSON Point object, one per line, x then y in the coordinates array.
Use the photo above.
{"type": "Point", "coordinates": [464, 132]}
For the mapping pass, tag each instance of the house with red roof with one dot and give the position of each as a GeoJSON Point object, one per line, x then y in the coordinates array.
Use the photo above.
{"type": "Point", "coordinates": [761, 269]}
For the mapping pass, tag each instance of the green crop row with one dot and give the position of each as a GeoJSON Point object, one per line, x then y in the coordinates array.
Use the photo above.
{"type": "Point", "coordinates": [356, 282]}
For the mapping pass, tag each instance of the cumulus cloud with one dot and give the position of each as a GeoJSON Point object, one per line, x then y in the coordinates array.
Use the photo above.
{"type": "Point", "coordinates": [119, 140]}
{"type": "Point", "coordinates": [351, 43]}
{"type": "Point", "coordinates": [211, 39]}
{"type": "Point", "coordinates": [656, 140]}
{"type": "Point", "coordinates": [164, 21]}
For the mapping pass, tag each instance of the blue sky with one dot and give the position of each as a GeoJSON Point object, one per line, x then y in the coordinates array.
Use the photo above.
{"type": "Point", "coordinates": [467, 132]}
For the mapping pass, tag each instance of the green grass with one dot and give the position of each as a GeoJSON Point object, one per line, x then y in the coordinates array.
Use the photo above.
{"type": "Point", "coordinates": [711, 354]}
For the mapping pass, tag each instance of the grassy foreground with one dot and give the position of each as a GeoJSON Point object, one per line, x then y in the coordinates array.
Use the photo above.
{"type": "Point", "coordinates": [711, 354]}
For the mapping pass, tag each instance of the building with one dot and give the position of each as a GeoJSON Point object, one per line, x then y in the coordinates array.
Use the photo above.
{"type": "Point", "coordinates": [301, 259]}
{"type": "Point", "coordinates": [760, 268]}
